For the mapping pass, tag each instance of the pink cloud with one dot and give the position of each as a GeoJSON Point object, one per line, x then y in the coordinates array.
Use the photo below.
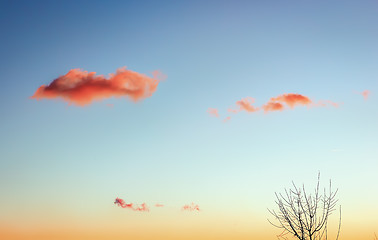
{"type": "Point", "coordinates": [121, 203]}
{"type": "Point", "coordinates": [279, 103]}
{"type": "Point", "coordinates": [227, 119]}
{"type": "Point", "coordinates": [324, 103]}
{"type": "Point", "coordinates": [273, 106]}
{"type": "Point", "coordinates": [141, 208]}
{"type": "Point", "coordinates": [191, 207]}
{"type": "Point", "coordinates": [365, 94]}
{"type": "Point", "coordinates": [82, 87]}
{"type": "Point", "coordinates": [213, 112]}
{"type": "Point", "coordinates": [292, 99]}
{"type": "Point", "coordinates": [245, 104]}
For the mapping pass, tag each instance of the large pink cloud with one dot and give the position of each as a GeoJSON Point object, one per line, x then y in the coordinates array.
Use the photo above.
{"type": "Point", "coordinates": [82, 87]}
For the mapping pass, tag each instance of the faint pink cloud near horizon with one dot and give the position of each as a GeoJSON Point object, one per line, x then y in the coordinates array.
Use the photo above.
{"type": "Point", "coordinates": [191, 207]}
{"type": "Point", "coordinates": [145, 208]}
{"type": "Point", "coordinates": [122, 203]}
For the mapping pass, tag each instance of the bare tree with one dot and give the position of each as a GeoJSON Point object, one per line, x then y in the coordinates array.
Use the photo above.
{"type": "Point", "coordinates": [305, 216]}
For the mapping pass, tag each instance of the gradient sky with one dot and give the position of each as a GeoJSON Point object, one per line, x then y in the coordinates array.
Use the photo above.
{"type": "Point", "coordinates": [62, 166]}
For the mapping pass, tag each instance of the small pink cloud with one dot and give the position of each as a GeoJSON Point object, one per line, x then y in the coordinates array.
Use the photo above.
{"type": "Point", "coordinates": [245, 104]}
{"type": "Point", "coordinates": [273, 106]}
{"type": "Point", "coordinates": [191, 207]}
{"type": "Point", "coordinates": [227, 119]}
{"type": "Point", "coordinates": [142, 208]}
{"type": "Point", "coordinates": [280, 103]}
{"type": "Point", "coordinates": [159, 205]}
{"type": "Point", "coordinates": [292, 100]}
{"type": "Point", "coordinates": [233, 110]}
{"type": "Point", "coordinates": [122, 203]}
{"type": "Point", "coordinates": [365, 94]}
{"type": "Point", "coordinates": [324, 103]}
{"type": "Point", "coordinates": [213, 112]}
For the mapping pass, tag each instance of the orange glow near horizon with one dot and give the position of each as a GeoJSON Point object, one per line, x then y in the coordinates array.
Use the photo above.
{"type": "Point", "coordinates": [164, 233]}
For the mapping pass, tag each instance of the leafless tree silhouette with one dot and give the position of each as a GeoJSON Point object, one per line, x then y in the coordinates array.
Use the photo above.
{"type": "Point", "coordinates": [305, 216]}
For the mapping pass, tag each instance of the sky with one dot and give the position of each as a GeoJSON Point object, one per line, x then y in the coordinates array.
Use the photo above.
{"type": "Point", "coordinates": [200, 130]}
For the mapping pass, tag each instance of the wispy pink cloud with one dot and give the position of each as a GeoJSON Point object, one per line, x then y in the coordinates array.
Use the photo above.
{"type": "Point", "coordinates": [279, 103]}
{"type": "Point", "coordinates": [324, 103]}
{"type": "Point", "coordinates": [159, 205]}
{"type": "Point", "coordinates": [141, 208]}
{"type": "Point", "coordinates": [213, 112]}
{"type": "Point", "coordinates": [365, 94]}
{"type": "Point", "coordinates": [82, 88]}
{"type": "Point", "coordinates": [121, 203]}
{"type": "Point", "coordinates": [227, 119]}
{"type": "Point", "coordinates": [293, 100]}
{"type": "Point", "coordinates": [245, 104]}
{"type": "Point", "coordinates": [191, 207]}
